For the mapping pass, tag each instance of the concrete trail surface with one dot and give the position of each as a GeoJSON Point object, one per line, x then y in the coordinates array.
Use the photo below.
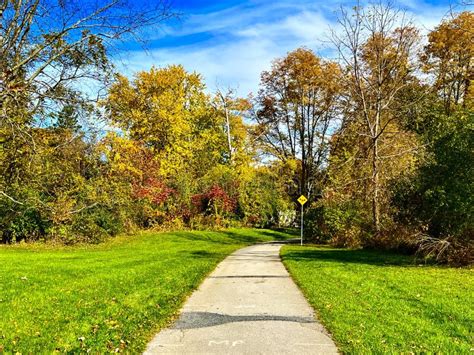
{"type": "Point", "coordinates": [248, 305]}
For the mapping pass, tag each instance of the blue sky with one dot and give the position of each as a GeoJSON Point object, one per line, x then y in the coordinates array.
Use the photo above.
{"type": "Point", "coordinates": [231, 42]}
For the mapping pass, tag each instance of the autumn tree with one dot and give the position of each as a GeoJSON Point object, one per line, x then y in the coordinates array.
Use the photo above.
{"type": "Point", "coordinates": [46, 46]}
{"type": "Point", "coordinates": [54, 61]}
{"type": "Point", "coordinates": [435, 201]}
{"type": "Point", "coordinates": [167, 111]}
{"type": "Point", "coordinates": [158, 107]}
{"type": "Point", "coordinates": [295, 108]}
{"type": "Point", "coordinates": [449, 58]}
{"type": "Point", "coordinates": [377, 47]}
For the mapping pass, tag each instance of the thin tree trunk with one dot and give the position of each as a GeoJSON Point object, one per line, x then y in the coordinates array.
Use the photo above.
{"type": "Point", "coordinates": [375, 185]}
{"type": "Point", "coordinates": [229, 138]}
{"type": "Point", "coordinates": [225, 103]}
{"type": "Point", "coordinates": [303, 149]}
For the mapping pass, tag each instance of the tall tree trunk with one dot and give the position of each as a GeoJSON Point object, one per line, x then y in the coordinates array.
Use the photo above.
{"type": "Point", "coordinates": [375, 186]}
{"type": "Point", "coordinates": [303, 177]}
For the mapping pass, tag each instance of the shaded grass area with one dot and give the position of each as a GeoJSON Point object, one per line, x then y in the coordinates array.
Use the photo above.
{"type": "Point", "coordinates": [107, 297]}
{"type": "Point", "coordinates": [375, 302]}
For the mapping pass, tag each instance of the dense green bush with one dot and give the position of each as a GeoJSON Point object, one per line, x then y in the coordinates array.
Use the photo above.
{"type": "Point", "coordinates": [438, 200]}
{"type": "Point", "coordinates": [26, 224]}
{"type": "Point", "coordinates": [339, 224]}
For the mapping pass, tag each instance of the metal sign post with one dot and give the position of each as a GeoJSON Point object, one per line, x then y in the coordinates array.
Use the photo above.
{"type": "Point", "coordinates": [301, 224]}
{"type": "Point", "coordinates": [302, 200]}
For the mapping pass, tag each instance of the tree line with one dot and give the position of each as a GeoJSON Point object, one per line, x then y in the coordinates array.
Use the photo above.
{"type": "Point", "coordinates": [379, 139]}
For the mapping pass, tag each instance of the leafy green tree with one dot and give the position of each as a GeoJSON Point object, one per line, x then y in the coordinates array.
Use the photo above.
{"type": "Point", "coordinates": [437, 199]}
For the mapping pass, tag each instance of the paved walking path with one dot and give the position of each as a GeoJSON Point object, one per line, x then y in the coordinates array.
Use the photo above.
{"type": "Point", "coordinates": [248, 305]}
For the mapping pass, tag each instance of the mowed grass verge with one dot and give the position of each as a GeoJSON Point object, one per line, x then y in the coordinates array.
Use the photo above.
{"type": "Point", "coordinates": [108, 297]}
{"type": "Point", "coordinates": [375, 302]}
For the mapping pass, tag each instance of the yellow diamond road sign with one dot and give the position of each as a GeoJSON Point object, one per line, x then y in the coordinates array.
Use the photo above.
{"type": "Point", "coordinates": [302, 200]}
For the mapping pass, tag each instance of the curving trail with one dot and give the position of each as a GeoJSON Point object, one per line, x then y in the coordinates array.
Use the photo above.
{"type": "Point", "coordinates": [248, 305]}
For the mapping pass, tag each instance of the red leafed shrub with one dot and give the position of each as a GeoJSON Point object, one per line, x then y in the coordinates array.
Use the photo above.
{"type": "Point", "coordinates": [154, 190]}
{"type": "Point", "coordinates": [215, 199]}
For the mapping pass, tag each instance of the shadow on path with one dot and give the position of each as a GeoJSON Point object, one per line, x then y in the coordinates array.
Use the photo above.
{"type": "Point", "coordinates": [249, 276]}
{"type": "Point", "coordinates": [193, 320]}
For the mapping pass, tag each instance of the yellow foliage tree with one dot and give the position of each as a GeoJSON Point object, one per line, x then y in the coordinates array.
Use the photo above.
{"type": "Point", "coordinates": [449, 56]}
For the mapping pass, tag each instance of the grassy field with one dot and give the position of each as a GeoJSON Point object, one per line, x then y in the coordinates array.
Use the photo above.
{"type": "Point", "coordinates": [105, 297]}
{"type": "Point", "coordinates": [375, 302]}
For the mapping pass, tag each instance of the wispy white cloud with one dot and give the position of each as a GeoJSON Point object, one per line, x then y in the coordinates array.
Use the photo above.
{"type": "Point", "coordinates": [306, 27]}
{"type": "Point", "coordinates": [241, 41]}
{"type": "Point", "coordinates": [236, 64]}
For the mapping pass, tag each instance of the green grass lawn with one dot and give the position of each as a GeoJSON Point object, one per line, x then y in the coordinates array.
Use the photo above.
{"type": "Point", "coordinates": [374, 302]}
{"type": "Point", "coordinates": [105, 297]}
